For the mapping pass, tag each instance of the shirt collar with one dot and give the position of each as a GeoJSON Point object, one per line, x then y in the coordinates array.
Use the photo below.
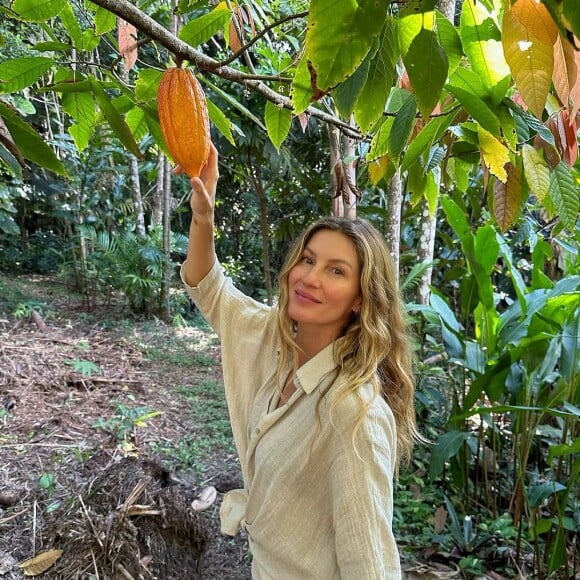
{"type": "Point", "coordinates": [311, 373]}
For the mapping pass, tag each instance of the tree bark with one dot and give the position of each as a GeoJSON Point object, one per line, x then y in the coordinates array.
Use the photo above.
{"type": "Point", "coordinates": [256, 178]}
{"type": "Point", "coordinates": [342, 173]}
{"type": "Point", "coordinates": [157, 202]}
{"type": "Point", "coordinates": [394, 205]}
{"type": "Point", "coordinates": [136, 191]}
{"type": "Point", "coordinates": [428, 223]}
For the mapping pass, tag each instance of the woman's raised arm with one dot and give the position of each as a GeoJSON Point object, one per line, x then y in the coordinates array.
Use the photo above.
{"type": "Point", "coordinates": [201, 249]}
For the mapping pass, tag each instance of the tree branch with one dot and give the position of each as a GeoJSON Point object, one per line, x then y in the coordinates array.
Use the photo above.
{"type": "Point", "coordinates": [184, 51]}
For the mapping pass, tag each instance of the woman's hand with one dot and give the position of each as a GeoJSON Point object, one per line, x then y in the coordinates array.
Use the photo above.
{"type": "Point", "coordinates": [202, 199]}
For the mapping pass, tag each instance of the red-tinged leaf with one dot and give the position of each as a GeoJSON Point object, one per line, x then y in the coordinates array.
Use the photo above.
{"type": "Point", "coordinates": [564, 130]}
{"type": "Point", "coordinates": [575, 89]}
{"type": "Point", "coordinates": [530, 60]}
{"type": "Point", "coordinates": [127, 37]}
{"type": "Point", "coordinates": [303, 119]}
{"type": "Point", "coordinates": [235, 42]}
{"type": "Point", "coordinates": [507, 198]}
{"type": "Point", "coordinates": [536, 20]}
{"type": "Point", "coordinates": [565, 70]}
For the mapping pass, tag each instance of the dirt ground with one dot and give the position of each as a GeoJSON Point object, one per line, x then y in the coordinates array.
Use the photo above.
{"type": "Point", "coordinates": [100, 502]}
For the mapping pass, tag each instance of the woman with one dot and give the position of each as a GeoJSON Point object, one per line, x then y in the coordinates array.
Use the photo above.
{"type": "Point", "coordinates": [320, 396]}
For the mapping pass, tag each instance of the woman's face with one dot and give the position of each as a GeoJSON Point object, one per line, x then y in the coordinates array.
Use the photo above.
{"type": "Point", "coordinates": [324, 285]}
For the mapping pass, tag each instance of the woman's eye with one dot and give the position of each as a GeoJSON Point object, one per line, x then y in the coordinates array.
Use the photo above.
{"type": "Point", "coordinates": [307, 260]}
{"type": "Point", "coordinates": [337, 271]}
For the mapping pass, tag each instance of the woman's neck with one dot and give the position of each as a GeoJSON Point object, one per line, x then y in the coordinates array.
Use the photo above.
{"type": "Point", "coordinates": [311, 342]}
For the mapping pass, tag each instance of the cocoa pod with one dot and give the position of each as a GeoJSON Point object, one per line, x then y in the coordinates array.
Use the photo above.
{"type": "Point", "coordinates": [184, 119]}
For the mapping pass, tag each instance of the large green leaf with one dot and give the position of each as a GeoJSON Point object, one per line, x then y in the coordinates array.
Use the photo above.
{"type": "Point", "coordinates": [278, 121]}
{"type": "Point", "coordinates": [10, 162]}
{"type": "Point", "coordinates": [572, 15]}
{"type": "Point", "coordinates": [346, 94]}
{"type": "Point", "coordinates": [71, 25]}
{"type": "Point", "coordinates": [104, 20]}
{"type": "Point", "coordinates": [18, 73]}
{"type": "Point", "coordinates": [339, 36]}
{"type": "Point", "coordinates": [450, 41]}
{"type": "Point", "coordinates": [301, 92]}
{"type": "Point", "coordinates": [37, 10]}
{"type": "Point", "coordinates": [201, 29]}
{"type": "Point", "coordinates": [427, 66]}
{"type": "Point", "coordinates": [564, 194]}
{"type": "Point", "coordinates": [402, 126]}
{"type": "Point", "coordinates": [370, 103]}
{"type": "Point", "coordinates": [477, 108]}
{"type": "Point", "coordinates": [428, 135]}
{"type": "Point", "coordinates": [481, 39]}
{"type": "Point", "coordinates": [115, 120]}
{"type": "Point", "coordinates": [447, 446]}
{"type": "Point", "coordinates": [220, 121]}
{"type": "Point", "coordinates": [30, 143]}
{"type": "Point", "coordinates": [81, 107]}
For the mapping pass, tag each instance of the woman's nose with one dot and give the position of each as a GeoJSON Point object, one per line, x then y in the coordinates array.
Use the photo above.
{"type": "Point", "coordinates": [311, 277]}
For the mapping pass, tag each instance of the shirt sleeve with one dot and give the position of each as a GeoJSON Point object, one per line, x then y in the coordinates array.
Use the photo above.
{"type": "Point", "coordinates": [224, 306]}
{"type": "Point", "coordinates": [362, 497]}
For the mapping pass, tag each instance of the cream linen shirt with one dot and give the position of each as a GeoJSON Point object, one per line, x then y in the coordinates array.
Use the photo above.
{"type": "Point", "coordinates": [311, 506]}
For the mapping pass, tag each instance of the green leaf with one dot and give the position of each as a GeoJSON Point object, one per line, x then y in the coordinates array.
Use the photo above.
{"type": "Point", "coordinates": [115, 120]}
{"type": "Point", "coordinates": [71, 26]}
{"type": "Point", "coordinates": [410, 26]}
{"type": "Point", "coordinates": [233, 102]}
{"type": "Point", "coordinates": [428, 135]}
{"type": "Point", "coordinates": [80, 106]}
{"type": "Point", "coordinates": [572, 15]}
{"type": "Point", "coordinates": [37, 10]}
{"type": "Point", "coordinates": [51, 47]}
{"type": "Point", "coordinates": [220, 121]}
{"type": "Point", "coordinates": [278, 121]}
{"type": "Point", "coordinates": [105, 21]}
{"type": "Point", "coordinates": [301, 92]}
{"type": "Point", "coordinates": [81, 133]}
{"type": "Point", "coordinates": [339, 36]}
{"type": "Point", "coordinates": [201, 29]}
{"type": "Point", "coordinates": [564, 194]}
{"type": "Point", "coordinates": [10, 162]}
{"type": "Point", "coordinates": [18, 73]}
{"type": "Point", "coordinates": [137, 123]}
{"type": "Point", "coordinates": [370, 104]}
{"type": "Point", "coordinates": [564, 450]}
{"type": "Point", "coordinates": [346, 94]}
{"type": "Point", "coordinates": [536, 171]}
{"type": "Point", "coordinates": [481, 39]}
{"type": "Point", "coordinates": [477, 108]}
{"type": "Point", "coordinates": [402, 126]}
{"type": "Point", "coordinates": [447, 446]}
{"type": "Point", "coordinates": [540, 492]}
{"type": "Point", "coordinates": [30, 143]}
{"type": "Point", "coordinates": [427, 66]}
{"type": "Point", "coordinates": [147, 84]}
{"type": "Point", "coordinates": [450, 41]}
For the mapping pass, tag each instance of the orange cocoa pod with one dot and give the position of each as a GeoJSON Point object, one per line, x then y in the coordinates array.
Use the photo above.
{"type": "Point", "coordinates": [183, 118]}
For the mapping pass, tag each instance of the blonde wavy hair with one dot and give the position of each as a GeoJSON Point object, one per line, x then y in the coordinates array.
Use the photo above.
{"type": "Point", "coordinates": [375, 346]}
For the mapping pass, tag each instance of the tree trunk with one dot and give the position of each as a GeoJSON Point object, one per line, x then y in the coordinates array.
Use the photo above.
{"type": "Point", "coordinates": [166, 285]}
{"type": "Point", "coordinates": [157, 202]}
{"type": "Point", "coordinates": [342, 173]}
{"type": "Point", "coordinates": [394, 205]}
{"type": "Point", "coordinates": [428, 223]}
{"type": "Point", "coordinates": [136, 191]}
{"type": "Point", "coordinates": [256, 178]}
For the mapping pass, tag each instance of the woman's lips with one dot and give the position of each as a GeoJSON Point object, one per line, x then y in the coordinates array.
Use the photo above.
{"type": "Point", "coordinates": [306, 297]}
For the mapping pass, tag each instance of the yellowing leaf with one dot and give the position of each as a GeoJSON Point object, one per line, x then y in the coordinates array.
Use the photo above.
{"type": "Point", "coordinates": [536, 171]}
{"type": "Point", "coordinates": [495, 153]}
{"type": "Point", "coordinates": [536, 20]}
{"type": "Point", "coordinates": [531, 62]}
{"type": "Point", "coordinates": [565, 70]}
{"type": "Point", "coordinates": [507, 198]}
{"type": "Point", "coordinates": [40, 563]}
{"type": "Point", "coordinates": [378, 169]}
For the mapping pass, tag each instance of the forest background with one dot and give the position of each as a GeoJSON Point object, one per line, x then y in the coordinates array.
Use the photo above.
{"type": "Point", "coordinates": [451, 125]}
